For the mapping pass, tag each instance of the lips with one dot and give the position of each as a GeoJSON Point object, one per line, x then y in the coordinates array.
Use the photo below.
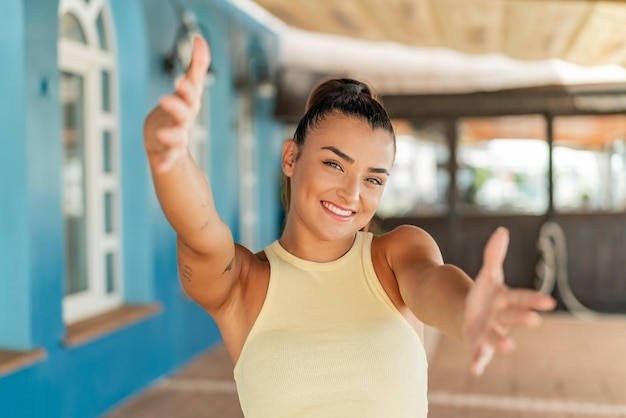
{"type": "Point", "coordinates": [344, 213]}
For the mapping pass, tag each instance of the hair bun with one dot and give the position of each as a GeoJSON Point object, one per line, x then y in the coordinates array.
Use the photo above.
{"type": "Point", "coordinates": [340, 89]}
{"type": "Point", "coordinates": [354, 86]}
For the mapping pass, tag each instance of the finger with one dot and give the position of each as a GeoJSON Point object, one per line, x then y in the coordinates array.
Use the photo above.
{"type": "Point", "coordinates": [498, 340]}
{"type": "Point", "coordinates": [483, 356]}
{"type": "Point", "coordinates": [172, 137]}
{"type": "Point", "coordinates": [200, 60]}
{"type": "Point", "coordinates": [530, 299]}
{"type": "Point", "coordinates": [186, 91]}
{"type": "Point", "coordinates": [495, 253]}
{"type": "Point", "coordinates": [177, 109]}
{"type": "Point", "coordinates": [519, 318]}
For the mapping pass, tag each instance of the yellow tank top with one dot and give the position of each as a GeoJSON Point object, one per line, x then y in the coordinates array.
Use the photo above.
{"type": "Point", "coordinates": [329, 342]}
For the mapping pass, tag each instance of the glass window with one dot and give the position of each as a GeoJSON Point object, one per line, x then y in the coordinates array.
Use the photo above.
{"type": "Point", "coordinates": [102, 36]}
{"type": "Point", "coordinates": [106, 91]}
{"type": "Point", "coordinates": [590, 163]}
{"type": "Point", "coordinates": [107, 157]}
{"type": "Point", "coordinates": [108, 212]}
{"type": "Point", "coordinates": [419, 179]}
{"type": "Point", "coordinates": [74, 187]}
{"type": "Point", "coordinates": [109, 266]}
{"type": "Point", "coordinates": [91, 192]}
{"type": "Point", "coordinates": [502, 165]}
{"type": "Point", "coordinates": [70, 28]}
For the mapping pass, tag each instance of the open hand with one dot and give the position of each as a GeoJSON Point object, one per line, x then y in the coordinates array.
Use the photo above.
{"type": "Point", "coordinates": [167, 127]}
{"type": "Point", "coordinates": [492, 309]}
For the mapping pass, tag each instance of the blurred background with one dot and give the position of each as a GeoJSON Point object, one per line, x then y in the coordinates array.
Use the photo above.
{"type": "Point", "coordinates": [507, 112]}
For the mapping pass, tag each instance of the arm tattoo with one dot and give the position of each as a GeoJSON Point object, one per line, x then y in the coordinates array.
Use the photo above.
{"type": "Point", "coordinates": [229, 266]}
{"type": "Point", "coordinates": [203, 227]}
{"type": "Point", "coordinates": [185, 271]}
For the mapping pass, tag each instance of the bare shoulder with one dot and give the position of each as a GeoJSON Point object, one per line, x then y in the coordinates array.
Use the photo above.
{"type": "Point", "coordinates": [406, 238]}
{"type": "Point", "coordinates": [407, 244]}
{"type": "Point", "coordinates": [393, 253]}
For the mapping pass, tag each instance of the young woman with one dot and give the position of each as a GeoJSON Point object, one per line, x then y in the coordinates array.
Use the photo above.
{"type": "Point", "coordinates": [318, 324]}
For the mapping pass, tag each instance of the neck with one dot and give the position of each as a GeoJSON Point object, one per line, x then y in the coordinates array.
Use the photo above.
{"type": "Point", "coordinates": [306, 246]}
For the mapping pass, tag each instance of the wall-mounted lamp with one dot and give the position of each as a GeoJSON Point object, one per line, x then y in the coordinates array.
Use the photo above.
{"type": "Point", "coordinates": [265, 87]}
{"type": "Point", "coordinates": [177, 60]}
{"type": "Point", "coordinates": [255, 75]}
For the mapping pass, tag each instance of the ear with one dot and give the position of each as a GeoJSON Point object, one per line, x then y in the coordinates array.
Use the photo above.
{"type": "Point", "coordinates": [290, 152]}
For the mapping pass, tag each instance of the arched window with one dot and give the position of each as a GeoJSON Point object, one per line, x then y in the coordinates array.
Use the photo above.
{"type": "Point", "coordinates": [91, 158]}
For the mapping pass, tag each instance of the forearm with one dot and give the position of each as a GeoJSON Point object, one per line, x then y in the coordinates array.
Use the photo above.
{"type": "Point", "coordinates": [439, 299]}
{"type": "Point", "coordinates": [187, 202]}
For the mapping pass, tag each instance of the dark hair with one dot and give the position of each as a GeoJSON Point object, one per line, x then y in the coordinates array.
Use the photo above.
{"type": "Point", "coordinates": [343, 96]}
{"type": "Point", "coordinates": [338, 96]}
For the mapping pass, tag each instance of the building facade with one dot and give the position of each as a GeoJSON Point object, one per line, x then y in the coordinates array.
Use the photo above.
{"type": "Point", "coordinates": [91, 310]}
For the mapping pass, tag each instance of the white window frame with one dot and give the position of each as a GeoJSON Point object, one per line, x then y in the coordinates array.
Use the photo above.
{"type": "Point", "coordinates": [88, 61]}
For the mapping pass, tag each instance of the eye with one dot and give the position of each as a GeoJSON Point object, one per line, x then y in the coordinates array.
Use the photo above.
{"type": "Point", "coordinates": [333, 164]}
{"type": "Point", "coordinates": [375, 181]}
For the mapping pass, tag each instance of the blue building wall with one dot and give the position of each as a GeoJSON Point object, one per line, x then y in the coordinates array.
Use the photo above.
{"type": "Point", "coordinates": [87, 380]}
{"type": "Point", "coordinates": [15, 303]}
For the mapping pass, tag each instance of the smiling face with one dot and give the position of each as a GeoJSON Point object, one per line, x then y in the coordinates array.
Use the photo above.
{"type": "Point", "coordinates": [337, 177]}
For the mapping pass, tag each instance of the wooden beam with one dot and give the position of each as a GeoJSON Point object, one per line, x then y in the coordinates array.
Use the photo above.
{"type": "Point", "coordinates": [552, 100]}
{"type": "Point", "coordinates": [295, 85]}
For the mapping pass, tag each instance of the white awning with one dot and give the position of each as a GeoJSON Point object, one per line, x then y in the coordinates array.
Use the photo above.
{"type": "Point", "coordinates": [392, 68]}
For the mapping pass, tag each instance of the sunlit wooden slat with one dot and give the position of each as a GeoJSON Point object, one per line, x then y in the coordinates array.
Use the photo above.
{"type": "Point", "coordinates": [473, 26]}
{"type": "Point", "coordinates": [416, 20]}
{"type": "Point", "coordinates": [399, 20]}
{"type": "Point", "coordinates": [603, 38]}
{"type": "Point", "coordinates": [542, 29]}
{"type": "Point", "coordinates": [583, 32]}
{"type": "Point", "coordinates": [355, 16]}
{"type": "Point", "coordinates": [302, 14]}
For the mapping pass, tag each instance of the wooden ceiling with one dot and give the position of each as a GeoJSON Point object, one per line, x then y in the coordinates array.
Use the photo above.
{"type": "Point", "coordinates": [583, 32]}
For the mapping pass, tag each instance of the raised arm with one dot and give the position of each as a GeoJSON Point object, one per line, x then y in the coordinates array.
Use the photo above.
{"type": "Point", "coordinates": [206, 251]}
{"type": "Point", "coordinates": [479, 312]}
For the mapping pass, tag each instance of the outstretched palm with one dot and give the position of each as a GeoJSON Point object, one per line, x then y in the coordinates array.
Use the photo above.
{"type": "Point", "coordinates": [492, 309]}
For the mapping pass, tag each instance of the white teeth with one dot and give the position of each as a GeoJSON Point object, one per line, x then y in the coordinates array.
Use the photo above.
{"type": "Point", "coordinates": [334, 209]}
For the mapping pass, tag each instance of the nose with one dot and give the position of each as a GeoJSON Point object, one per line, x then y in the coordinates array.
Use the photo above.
{"type": "Point", "coordinates": [349, 189]}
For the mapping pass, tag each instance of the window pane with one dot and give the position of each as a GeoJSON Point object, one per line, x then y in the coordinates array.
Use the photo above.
{"type": "Point", "coordinates": [109, 266]}
{"type": "Point", "coordinates": [419, 179]}
{"type": "Point", "coordinates": [108, 212]}
{"type": "Point", "coordinates": [74, 190]}
{"type": "Point", "coordinates": [106, 152]}
{"type": "Point", "coordinates": [590, 163]}
{"type": "Point", "coordinates": [102, 38]}
{"type": "Point", "coordinates": [70, 28]}
{"type": "Point", "coordinates": [106, 91]}
{"type": "Point", "coordinates": [502, 165]}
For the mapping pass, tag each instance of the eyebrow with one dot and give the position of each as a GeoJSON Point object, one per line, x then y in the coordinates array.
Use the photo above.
{"type": "Point", "coordinates": [350, 160]}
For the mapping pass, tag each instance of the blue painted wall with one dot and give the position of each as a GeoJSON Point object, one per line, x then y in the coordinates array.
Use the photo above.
{"type": "Point", "coordinates": [87, 380]}
{"type": "Point", "coordinates": [14, 268]}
